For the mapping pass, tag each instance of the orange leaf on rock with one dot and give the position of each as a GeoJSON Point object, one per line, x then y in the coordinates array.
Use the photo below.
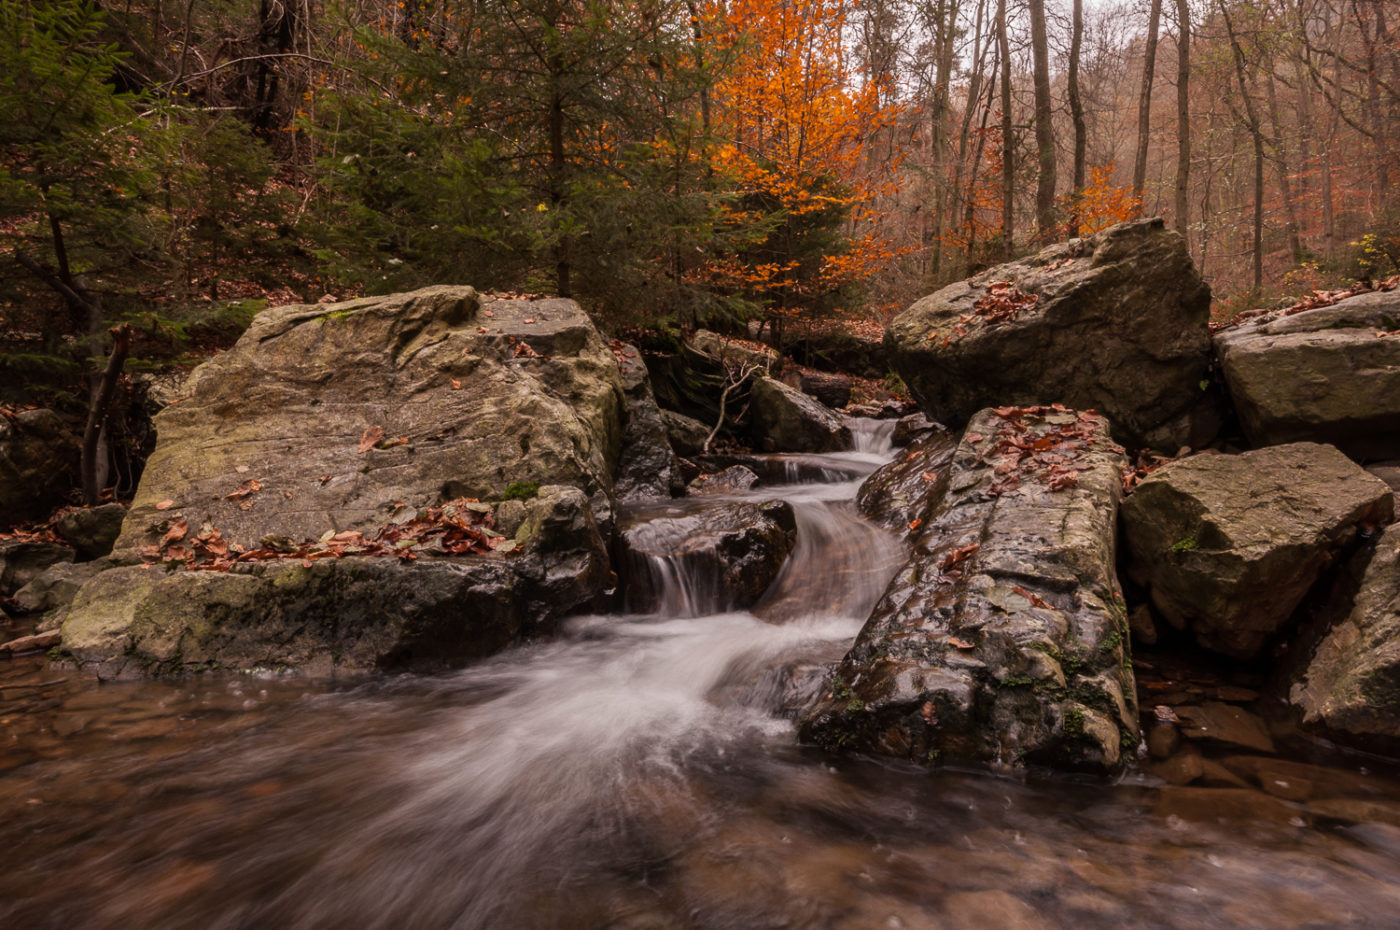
{"type": "Point", "coordinates": [372, 437]}
{"type": "Point", "coordinates": [176, 532]}
{"type": "Point", "coordinates": [165, 505]}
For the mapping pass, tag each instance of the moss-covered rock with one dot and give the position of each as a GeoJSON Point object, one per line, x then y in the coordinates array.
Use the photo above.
{"type": "Point", "coordinates": [1116, 322]}
{"type": "Point", "coordinates": [1228, 545]}
{"type": "Point", "coordinates": [1003, 638]}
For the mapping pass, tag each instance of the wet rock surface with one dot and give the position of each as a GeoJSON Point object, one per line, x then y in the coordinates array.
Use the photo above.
{"type": "Point", "coordinates": [734, 478]}
{"type": "Point", "coordinates": [720, 556]}
{"type": "Point", "coordinates": [55, 586]}
{"type": "Point", "coordinates": [1229, 544]}
{"type": "Point", "coordinates": [648, 468]}
{"type": "Point", "coordinates": [906, 490]}
{"type": "Point", "coordinates": [1116, 322]}
{"type": "Point", "coordinates": [786, 420]}
{"type": "Point", "coordinates": [22, 561]}
{"type": "Point", "coordinates": [1003, 638]}
{"type": "Point", "coordinates": [1330, 375]}
{"type": "Point", "coordinates": [1350, 686]}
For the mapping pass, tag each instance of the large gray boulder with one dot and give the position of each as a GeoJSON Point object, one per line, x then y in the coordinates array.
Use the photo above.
{"type": "Point", "coordinates": [718, 556]}
{"type": "Point", "coordinates": [1116, 322]}
{"type": "Point", "coordinates": [1003, 639]}
{"type": "Point", "coordinates": [1330, 375]}
{"type": "Point", "coordinates": [328, 616]}
{"type": "Point", "coordinates": [1228, 545]}
{"type": "Point", "coordinates": [38, 464]}
{"type": "Point", "coordinates": [1350, 688]}
{"type": "Point", "coordinates": [352, 418]}
{"type": "Point", "coordinates": [335, 416]}
{"type": "Point", "coordinates": [786, 420]}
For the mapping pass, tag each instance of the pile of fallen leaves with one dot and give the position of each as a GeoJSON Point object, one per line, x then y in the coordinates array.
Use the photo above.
{"type": "Point", "coordinates": [1047, 452]}
{"type": "Point", "coordinates": [458, 527]}
{"type": "Point", "coordinates": [1313, 301]}
{"type": "Point", "coordinates": [1002, 302]}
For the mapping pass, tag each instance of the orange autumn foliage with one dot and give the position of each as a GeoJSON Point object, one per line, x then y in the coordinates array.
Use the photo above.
{"type": "Point", "coordinates": [795, 119]}
{"type": "Point", "coordinates": [1100, 204]}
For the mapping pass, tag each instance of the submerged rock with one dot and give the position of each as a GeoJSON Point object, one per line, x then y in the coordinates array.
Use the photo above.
{"type": "Point", "coordinates": [1116, 322]}
{"type": "Point", "coordinates": [1326, 375]}
{"type": "Point", "coordinates": [722, 556]}
{"type": "Point", "coordinates": [786, 420]}
{"type": "Point", "coordinates": [1228, 545]}
{"type": "Point", "coordinates": [1350, 687]}
{"type": "Point", "coordinates": [1003, 639]}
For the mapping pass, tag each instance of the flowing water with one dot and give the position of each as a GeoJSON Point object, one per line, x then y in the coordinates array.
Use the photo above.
{"type": "Point", "coordinates": [633, 773]}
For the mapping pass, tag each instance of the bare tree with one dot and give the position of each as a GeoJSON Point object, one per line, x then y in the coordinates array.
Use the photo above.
{"type": "Point", "coordinates": [1149, 67]}
{"type": "Point", "coordinates": [1044, 126]}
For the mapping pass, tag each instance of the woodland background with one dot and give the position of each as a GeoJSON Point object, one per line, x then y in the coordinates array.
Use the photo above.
{"type": "Point", "coordinates": [176, 165]}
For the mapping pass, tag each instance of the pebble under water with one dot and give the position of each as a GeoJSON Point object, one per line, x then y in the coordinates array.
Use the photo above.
{"type": "Point", "coordinates": [632, 773]}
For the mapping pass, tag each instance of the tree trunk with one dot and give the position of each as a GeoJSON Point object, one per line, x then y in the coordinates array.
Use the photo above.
{"type": "Point", "coordinates": [1282, 169]}
{"type": "Point", "coordinates": [1183, 118]}
{"type": "Point", "coordinates": [1044, 129]}
{"type": "Point", "coordinates": [1008, 167]}
{"type": "Point", "coordinates": [1257, 134]}
{"type": "Point", "coordinates": [1149, 67]}
{"type": "Point", "coordinates": [1076, 109]}
{"type": "Point", "coordinates": [100, 400]}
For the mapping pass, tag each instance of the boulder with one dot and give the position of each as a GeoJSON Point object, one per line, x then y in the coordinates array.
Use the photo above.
{"type": "Point", "coordinates": [786, 420]}
{"type": "Point", "coordinates": [1116, 322]}
{"type": "Point", "coordinates": [335, 416]}
{"type": "Point", "coordinates": [55, 587]}
{"type": "Point", "coordinates": [350, 418]}
{"type": "Point", "coordinates": [1330, 374]}
{"type": "Point", "coordinates": [692, 562]}
{"type": "Point", "coordinates": [687, 435]}
{"type": "Point", "coordinates": [1228, 545]}
{"type": "Point", "coordinates": [38, 464]}
{"type": "Point", "coordinates": [734, 478]}
{"type": "Point", "coordinates": [21, 561]}
{"type": "Point", "coordinates": [906, 489]}
{"type": "Point", "coordinates": [330, 615]}
{"type": "Point", "coordinates": [1350, 685]}
{"type": "Point", "coordinates": [733, 352]}
{"type": "Point", "coordinates": [92, 530]}
{"type": "Point", "coordinates": [915, 425]}
{"type": "Point", "coordinates": [648, 467]}
{"type": "Point", "coordinates": [833, 391]}
{"type": "Point", "coordinates": [1003, 638]}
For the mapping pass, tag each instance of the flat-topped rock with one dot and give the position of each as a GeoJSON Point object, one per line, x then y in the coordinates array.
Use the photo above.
{"type": "Point", "coordinates": [1330, 374]}
{"type": "Point", "coordinates": [1228, 545]}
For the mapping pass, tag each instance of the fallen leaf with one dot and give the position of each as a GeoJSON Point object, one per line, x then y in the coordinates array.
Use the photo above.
{"type": "Point", "coordinates": [165, 505]}
{"type": "Point", "coordinates": [456, 385]}
{"type": "Point", "coordinates": [372, 437]}
{"type": "Point", "coordinates": [252, 485]}
{"type": "Point", "coordinates": [176, 532]}
{"type": "Point", "coordinates": [958, 643]}
{"type": "Point", "coordinates": [915, 524]}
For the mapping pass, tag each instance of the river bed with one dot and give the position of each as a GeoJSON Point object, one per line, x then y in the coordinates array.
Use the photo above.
{"type": "Point", "coordinates": [634, 772]}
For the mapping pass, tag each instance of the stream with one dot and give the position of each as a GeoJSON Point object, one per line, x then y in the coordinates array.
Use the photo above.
{"type": "Point", "coordinates": [633, 772]}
